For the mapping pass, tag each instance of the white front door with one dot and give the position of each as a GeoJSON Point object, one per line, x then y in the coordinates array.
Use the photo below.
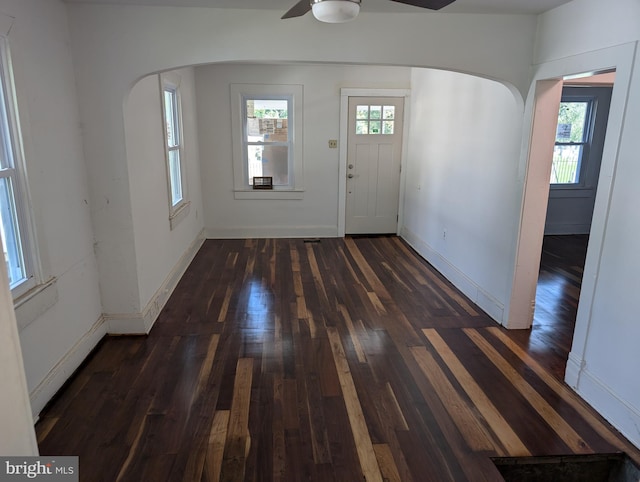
{"type": "Point", "coordinates": [374, 145]}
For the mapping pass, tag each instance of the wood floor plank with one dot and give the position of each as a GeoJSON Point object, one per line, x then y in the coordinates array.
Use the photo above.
{"type": "Point", "coordinates": [555, 420]}
{"type": "Point", "coordinates": [238, 438]}
{"type": "Point", "coordinates": [387, 464]}
{"type": "Point", "coordinates": [567, 395]}
{"type": "Point", "coordinates": [498, 424]}
{"type": "Point", "coordinates": [215, 446]}
{"type": "Point", "coordinates": [364, 446]}
{"type": "Point", "coordinates": [473, 431]}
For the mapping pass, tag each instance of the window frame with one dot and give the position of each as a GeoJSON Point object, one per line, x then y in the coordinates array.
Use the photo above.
{"type": "Point", "coordinates": [587, 136]}
{"type": "Point", "coordinates": [12, 147]}
{"type": "Point", "coordinates": [293, 93]}
{"type": "Point", "coordinates": [170, 82]}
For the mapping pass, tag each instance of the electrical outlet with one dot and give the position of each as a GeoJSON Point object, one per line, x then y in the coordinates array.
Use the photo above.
{"type": "Point", "coordinates": [333, 144]}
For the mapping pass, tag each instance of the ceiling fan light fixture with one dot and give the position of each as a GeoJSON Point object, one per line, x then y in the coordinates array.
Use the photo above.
{"type": "Point", "coordinates": [335, 11]}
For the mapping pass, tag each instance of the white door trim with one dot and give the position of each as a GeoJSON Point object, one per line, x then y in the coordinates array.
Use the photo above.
{"type": "Point", "coordinates": [344, 129]}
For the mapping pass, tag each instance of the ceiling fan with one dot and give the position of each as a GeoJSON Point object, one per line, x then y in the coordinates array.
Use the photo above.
{"type": "Point", "coordinates": [338, 11]}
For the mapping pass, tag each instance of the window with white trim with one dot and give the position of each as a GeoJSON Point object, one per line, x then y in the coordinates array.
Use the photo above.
{"type": "Point", "coordinates": [15, 225]}
{"type": "Point", "coordinates": [174, 147]}
{"type": "Point", "coordinates": [267, 139]}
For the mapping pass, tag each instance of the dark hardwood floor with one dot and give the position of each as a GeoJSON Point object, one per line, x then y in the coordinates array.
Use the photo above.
{"type": "Point", "coordinates": [347, 360]}
{"type": "Point", "coordinates": [557, 295]}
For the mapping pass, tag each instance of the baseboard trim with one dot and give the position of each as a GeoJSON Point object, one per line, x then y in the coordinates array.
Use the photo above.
{"type": "Point", "coordinates": [487, 302]}
{"type": "Point", "coordinates": [65, 367]}
{"type": "Point", "coordinates": [572, 371]}
{"type": "Point", "coordinates": [244, 232]}
{"type": "Point", "coordinates": [141, 323]}
{"type": "Point", "coordinates": [615, 410]}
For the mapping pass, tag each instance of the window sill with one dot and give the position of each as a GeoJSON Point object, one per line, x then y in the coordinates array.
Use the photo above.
{"type": "Point", "coordinates": [181, 212]}
{"type": "Point", "coordinates": [35, 302]}
{"type": "Point", "coordinates": [268, 194]}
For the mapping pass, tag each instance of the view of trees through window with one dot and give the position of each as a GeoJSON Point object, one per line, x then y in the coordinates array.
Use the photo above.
{"type": "Point", "coordinates": [571, 138]}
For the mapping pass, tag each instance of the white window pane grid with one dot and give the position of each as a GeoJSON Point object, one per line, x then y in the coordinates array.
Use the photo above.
{"type": "Point", "coordinates": [375, 119]}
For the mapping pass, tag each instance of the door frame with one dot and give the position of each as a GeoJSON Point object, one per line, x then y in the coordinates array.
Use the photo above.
{"type": "Point", "coordinates": [549, 76]}
{"type": "Point", "coordinates": [345, 93]}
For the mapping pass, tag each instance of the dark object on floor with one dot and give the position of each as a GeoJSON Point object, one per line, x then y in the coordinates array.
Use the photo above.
{"type": "Point", "coordinates": [570, 468]}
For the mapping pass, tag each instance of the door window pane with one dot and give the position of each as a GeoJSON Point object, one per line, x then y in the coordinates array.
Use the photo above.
{"type": "Point", "coordinates": [362, 112]}
{"type": "Point", "coordinates": [362, 127]}
{"type": "Point", "coordinates": [369, 119]}
{"type": "Point", "coordinates": [375, 112]}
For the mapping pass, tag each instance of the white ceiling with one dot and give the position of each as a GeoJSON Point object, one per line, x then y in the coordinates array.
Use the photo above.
{"type": "Point", "coordinates": [459, 6]}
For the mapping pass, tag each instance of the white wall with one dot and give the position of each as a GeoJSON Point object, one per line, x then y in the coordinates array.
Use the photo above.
{"type": "Point", "coordinates": [317, 213]}
{"type": "Point", "coordinates": [462, 197]}
{"type": "Point", "coordinates": [60, 325]}
{"type": "Point", "coordinates": [162, 253]}
{"type": "Point", "coordinates": [603, 364]}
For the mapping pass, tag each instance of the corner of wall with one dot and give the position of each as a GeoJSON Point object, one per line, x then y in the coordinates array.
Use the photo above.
{"type": "Point", "coordinates": [141, 323]}
{"type": "Point", "coordinates": [469, 288]}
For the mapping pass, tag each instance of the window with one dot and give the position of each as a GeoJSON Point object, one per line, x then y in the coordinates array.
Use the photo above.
{"type": "Point", "coordinates": [267, 139]}
{"type": "Point", "coordinates": [15, 221]}
{"type": "Point", "coordinates": [572, 141]}
{"type": "Point", "coordinates": [174, 147]}
{"type": "Point", "coordinates": [375, 119]}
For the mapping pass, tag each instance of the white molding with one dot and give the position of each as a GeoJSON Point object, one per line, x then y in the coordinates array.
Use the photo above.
{"type": "Point", "coordinates": [266, 194]}
{"type": "Point", "coordinates": [141, 323]}
{"type": "Point", "coordinates": [35, 302]}
{"type": "Point", "coordinates": [488, 303]}
{"type": "Point", "coordinates": [6, 22]}
{"type": "Point", "coordinates": [573, 370]}
{"type": "Point", "coordinates": [237, 92]}
{"type": "Point", "coordinates": [244, 232]}
{"type": "Point", "coordinates": [180, 213]}
{"type": "Point", "coordinates": [344, 134]}
{"type": "Point", "coordinates": [620, 413]}
{"type": "Point", "coordinates": [69, 363]}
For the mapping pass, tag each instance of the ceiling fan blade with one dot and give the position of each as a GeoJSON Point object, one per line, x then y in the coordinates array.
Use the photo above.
{"type": "Point", "coordinates": [430, 4]}
{"type": "Point", "coordinates": [298, 10]}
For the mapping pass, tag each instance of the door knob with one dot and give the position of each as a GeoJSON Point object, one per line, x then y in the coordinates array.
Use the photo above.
{"type": "Point", "coordinates": [350, 176]}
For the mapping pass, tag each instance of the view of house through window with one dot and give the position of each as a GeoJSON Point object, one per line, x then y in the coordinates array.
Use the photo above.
{"type": "Point", "coordinates": [572, 136]}
{"type": "Point", "coordinates": [268, 139]}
